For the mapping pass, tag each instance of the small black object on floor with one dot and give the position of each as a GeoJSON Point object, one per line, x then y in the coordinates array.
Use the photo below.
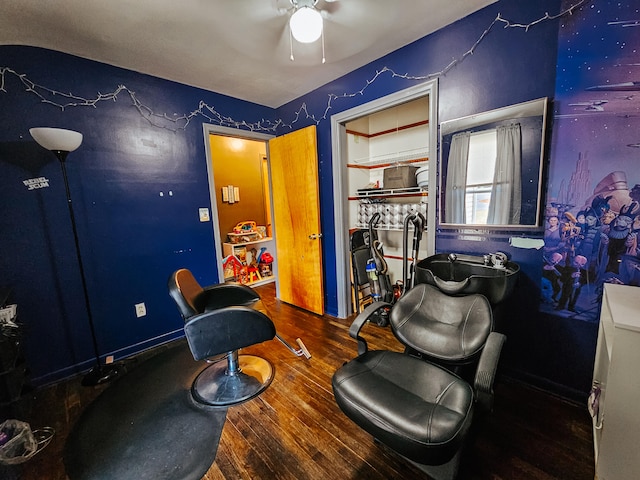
{"type": "Point", "coordinates": [147, 426]}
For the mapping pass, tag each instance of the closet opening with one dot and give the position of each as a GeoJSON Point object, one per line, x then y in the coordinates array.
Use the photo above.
{"type": "Point", "coordinates": [388, 140]}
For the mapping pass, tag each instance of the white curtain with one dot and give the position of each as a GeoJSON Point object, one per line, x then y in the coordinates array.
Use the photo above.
{"type": "Point", "coordinates": [505, 204]}
{"type": "Point", "coordinates": [457, 178]}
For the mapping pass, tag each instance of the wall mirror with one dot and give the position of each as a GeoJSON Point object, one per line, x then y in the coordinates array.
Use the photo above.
{"type": "Point", "coordinates": [491, 167]}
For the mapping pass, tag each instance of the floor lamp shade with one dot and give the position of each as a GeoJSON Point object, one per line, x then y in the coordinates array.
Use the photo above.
{"type": "Point", "coordinates": [56, 139]}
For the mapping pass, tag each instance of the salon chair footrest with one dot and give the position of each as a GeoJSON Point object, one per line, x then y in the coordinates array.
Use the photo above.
{"type": "Point", "coordinates": [215, 386]}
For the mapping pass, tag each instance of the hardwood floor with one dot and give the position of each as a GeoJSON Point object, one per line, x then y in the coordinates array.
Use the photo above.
{"type": "Point", "coordinates": [294, 430]}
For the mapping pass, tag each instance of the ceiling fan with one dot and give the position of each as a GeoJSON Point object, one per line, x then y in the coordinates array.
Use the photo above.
{"type": "Point", "coordinates": [306, 23]}
{"type": "Point", "coordinates": [348, 27]}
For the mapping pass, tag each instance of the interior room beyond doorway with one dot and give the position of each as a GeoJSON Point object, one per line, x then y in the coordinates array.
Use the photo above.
{"type": "Point", "coordinates": [243, 212]}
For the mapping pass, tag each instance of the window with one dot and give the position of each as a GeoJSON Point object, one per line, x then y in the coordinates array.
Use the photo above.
{"type": "Point", "coordinates": [480, 172]}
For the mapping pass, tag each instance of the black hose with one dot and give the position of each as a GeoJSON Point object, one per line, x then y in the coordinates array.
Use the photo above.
{"type": "Point", "coordinates": [405, 253]}
{"type": "Point", "coordinates": [419, 222]}
{"type": "Point", "coordinates": [378, 256]}
{"type": "Point", "coordinates": [375, 244]}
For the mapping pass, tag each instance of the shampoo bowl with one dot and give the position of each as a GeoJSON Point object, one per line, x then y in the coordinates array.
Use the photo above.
{"type": "Point", "coordinates": [468, 274]}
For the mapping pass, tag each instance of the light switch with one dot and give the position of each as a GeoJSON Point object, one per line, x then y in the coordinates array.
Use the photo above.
{"type": "Point", "coordinates": [204, 214]}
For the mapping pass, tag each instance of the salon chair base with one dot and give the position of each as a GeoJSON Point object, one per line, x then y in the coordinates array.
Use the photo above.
{"type": "Point", "coordinates": [222, 385]}
{"type": "Point", "coordinates": [447, 471]}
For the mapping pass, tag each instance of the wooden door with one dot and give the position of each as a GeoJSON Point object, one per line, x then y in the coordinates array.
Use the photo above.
{"type": "Point", "coordinates": [296, 214]}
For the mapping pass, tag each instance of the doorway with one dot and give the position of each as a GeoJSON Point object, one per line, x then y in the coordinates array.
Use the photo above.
{"type": "Point", "coordinates": [239, 194]}
{"type": "Point", "coordinates": [343, 206]}
{"type": "Point", "coordinates": [291, 170]}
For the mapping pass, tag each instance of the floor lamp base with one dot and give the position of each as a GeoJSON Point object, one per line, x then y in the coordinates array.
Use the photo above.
{"type": "Point", "coordinates": [100, 374]}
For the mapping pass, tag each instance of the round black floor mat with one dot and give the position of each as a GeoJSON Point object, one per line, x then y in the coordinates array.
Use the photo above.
{"type": "Point", "coordinates": [147, 426]}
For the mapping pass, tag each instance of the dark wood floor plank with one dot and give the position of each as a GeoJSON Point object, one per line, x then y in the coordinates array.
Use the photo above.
{"type": "Point", "coordinates": [310, 432]}
{"type": "Point", "coordinates": [295, 430]}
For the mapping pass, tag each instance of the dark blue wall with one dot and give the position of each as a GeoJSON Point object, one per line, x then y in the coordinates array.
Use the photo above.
{"type": "Point", "coordinates": [133, 238]}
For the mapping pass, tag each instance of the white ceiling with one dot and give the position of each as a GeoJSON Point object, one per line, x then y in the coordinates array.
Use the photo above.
{"type": "Point", "coordinates": [239, 48]}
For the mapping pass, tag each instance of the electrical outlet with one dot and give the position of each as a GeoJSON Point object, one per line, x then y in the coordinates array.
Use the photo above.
{"type": "Point", "coordinates": [141, 310]}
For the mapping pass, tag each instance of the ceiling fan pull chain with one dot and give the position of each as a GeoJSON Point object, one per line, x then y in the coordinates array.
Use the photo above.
{"type": "Point", "coordinates": [291, 45]}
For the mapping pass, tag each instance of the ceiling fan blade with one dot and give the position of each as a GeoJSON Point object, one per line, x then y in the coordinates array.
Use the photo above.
{"type": "Point", "coordinates": [329, 6]}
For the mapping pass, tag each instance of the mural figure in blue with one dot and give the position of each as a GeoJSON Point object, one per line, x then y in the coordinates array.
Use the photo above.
{"type": "Point", "coordinates": [593, 208]}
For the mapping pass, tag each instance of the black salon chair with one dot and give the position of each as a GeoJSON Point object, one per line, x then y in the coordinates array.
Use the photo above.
{"type": "Point", "coordinates": [421, 403]}
{"type": "Point", "coordinates": [220, 320]}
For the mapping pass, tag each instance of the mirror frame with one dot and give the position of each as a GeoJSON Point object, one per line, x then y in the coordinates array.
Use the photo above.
{"type": "Point", "coordinates": [482, 121]}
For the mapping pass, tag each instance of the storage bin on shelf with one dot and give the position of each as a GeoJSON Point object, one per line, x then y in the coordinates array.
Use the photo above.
{"type": "Point", "coordinates": [246, 232]}
{"type": "Point", "coordinates": [400, 176]}
{"type": "Point", "coordinates": [422, 176]}
{"type": "Point", "coordinates": [243, 237]}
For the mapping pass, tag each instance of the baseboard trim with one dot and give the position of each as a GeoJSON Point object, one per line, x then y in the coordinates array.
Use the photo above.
{"type": "Point", "coordinates": [118, 355]}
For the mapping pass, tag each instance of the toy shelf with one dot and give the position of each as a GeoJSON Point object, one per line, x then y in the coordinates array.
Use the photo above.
{"type": "Point", "coordinates": [239, 250]}
{"type": "Point", "coordinates": [236, 248]}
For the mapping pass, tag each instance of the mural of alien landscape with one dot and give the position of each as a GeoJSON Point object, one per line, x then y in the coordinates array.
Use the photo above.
{"type": "Point", "coordinates": [593, 197]}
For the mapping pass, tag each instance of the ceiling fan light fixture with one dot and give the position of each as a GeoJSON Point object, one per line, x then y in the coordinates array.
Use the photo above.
{"type": "Point", "coordinates": [306, 24]}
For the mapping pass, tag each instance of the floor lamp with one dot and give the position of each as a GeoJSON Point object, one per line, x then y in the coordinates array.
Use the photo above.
{"type": "Point", "coordinates": [60, 142]}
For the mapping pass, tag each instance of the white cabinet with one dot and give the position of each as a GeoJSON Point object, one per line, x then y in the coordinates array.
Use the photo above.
{"type": "Point", "coordinates": [616, 426]}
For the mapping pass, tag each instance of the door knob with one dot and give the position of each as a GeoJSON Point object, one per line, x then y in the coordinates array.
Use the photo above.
{"type": "Point", "coordinates": [315, 236]}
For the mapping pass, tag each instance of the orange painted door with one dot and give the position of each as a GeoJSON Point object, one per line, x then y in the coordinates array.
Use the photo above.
{"type": "Point", "coordinates": [296, 214]}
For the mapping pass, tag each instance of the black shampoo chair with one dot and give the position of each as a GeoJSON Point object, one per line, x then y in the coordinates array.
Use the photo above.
{"type": "Point", "coordinates": [220, 320]}
{"type": "Point", "coordinates": [419, 403]}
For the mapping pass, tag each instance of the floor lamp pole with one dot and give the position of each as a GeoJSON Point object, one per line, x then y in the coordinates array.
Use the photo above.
{"type": "Point", "coordinates": [60, 142]}
{"type": "Point", "coordinates": [99, 373]}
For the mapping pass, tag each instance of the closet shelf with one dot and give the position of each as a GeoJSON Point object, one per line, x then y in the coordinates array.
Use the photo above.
{"type": "Point", "coordinates": [387, 228]}
{"type": "Point", "coordinates": [391, 159]}
{"type": "Point", "coordinates": [394, 163]}
{"type": "Point", "coordinates": [396, 129]}
{"type": "Point", "coordinates": [241, 244]}
{"type": "Point", "coordinates": [391, 193]}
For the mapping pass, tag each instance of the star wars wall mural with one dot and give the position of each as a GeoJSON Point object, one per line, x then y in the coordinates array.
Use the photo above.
{"type": "Point", "coordinates": [593, 197]}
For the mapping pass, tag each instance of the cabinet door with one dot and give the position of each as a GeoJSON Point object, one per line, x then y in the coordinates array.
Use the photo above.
{"type": "Point", "coordinates": [616, 369]}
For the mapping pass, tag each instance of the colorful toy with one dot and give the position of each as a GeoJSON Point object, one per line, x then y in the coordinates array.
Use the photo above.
{"type": "Point", "coordinates": [232, 268]}
{"type": "Point", "coordinates": [253, 274]}
{"type": "Point", "coordinates": [248, 226]}
{"type": "Point", "coordinates": [265, 262]}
